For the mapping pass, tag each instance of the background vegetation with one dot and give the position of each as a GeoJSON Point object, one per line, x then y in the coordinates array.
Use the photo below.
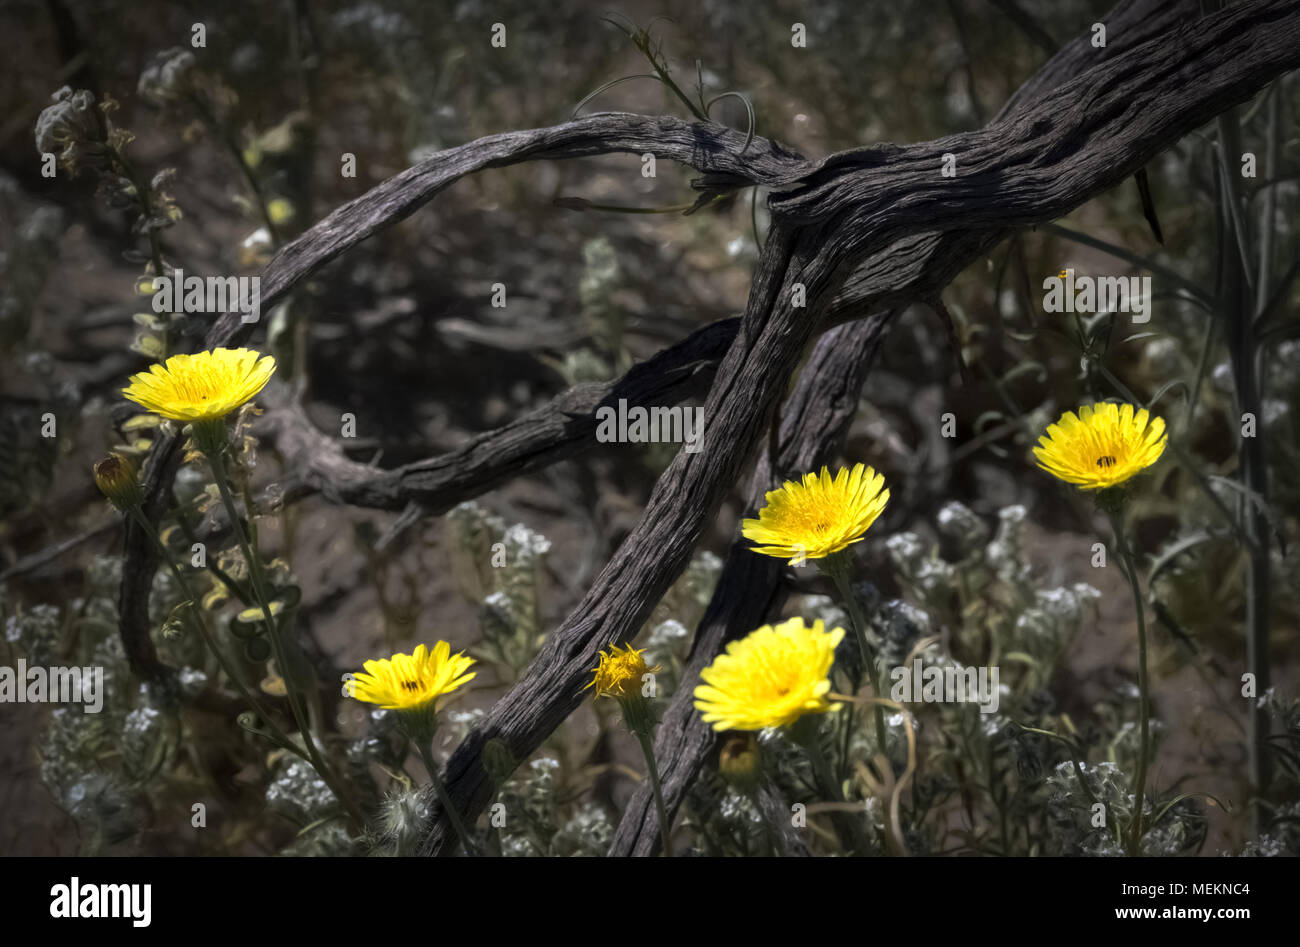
{"type": "Point", "coordinates": [976, 547]}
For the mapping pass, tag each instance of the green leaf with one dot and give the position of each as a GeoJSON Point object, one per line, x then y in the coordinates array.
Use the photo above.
{"type": "Point", "coordinates": [1165, 558]}
{"type": "Point", "coordinates": [1261, 503]}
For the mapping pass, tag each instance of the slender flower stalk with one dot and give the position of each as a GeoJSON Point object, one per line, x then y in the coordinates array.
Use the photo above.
{"type": "Point", "coordinates": [622, 674]}
{"type": "Point", "coordinates": [1144, 695]}
{"type": "Point", "coordinates": [201, 390]}
{"type": "Point", "coordinates": [656, 787]}
{"type": "Point", "coordinates": [1100, 450]}
{"type": "Point", "coordinates": [837, 567]}
{"type": "Point", "coordinates": [116, 477]}
{"type": "Point", "coordinates": [293, 692]}
{"type": "Point", "coordinates": [444, 797]}
{"type": "Point", "coordinates": [806, 734]}
{"type": "Point", "coordinates": [209, 639]}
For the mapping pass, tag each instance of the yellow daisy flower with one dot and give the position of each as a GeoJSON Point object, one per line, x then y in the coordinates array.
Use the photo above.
{"type": "Point", "coordinates": [412, 682]}
{"type": "Point", "coordinates": [1102, 447]}
{"type": "Point", "coordinates": [619, 673]}
{"type": "Point", "coordinates": [280, 210]}
{"type": "Point", "coordinates": [203, 387]}
{"type": "Point", "coordinates": [819, 516]}
{"type": "Point", "coordinates": [770, 678]}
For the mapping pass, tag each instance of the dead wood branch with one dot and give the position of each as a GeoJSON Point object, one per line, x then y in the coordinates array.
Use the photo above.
{"type": "Point", "coordinates": [1082, 138]}
{"type": "Point", "coordinates": [813, 423]}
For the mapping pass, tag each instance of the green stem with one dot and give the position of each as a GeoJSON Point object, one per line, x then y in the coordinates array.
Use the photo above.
{"type": "Point", "coordinates": [845, 761]}
{"type": "Point", "coordinates": [426, 754]}
{"type": "Point", "coordinates": [1135, 832]}
{"type": "Point", "coordinates": [209, 638]}
{"type": "Point", "coordinates": [142, 193]}
{"type": "Point", "coordinates": [665, 827]}
{"type": "Point", "coordinates": [805, 733]}
{"type": "Point", "coordinates": [255, 579]}
{"type": "Point", "coordinates": [228, 139]}
{"type": "Point", "coordinates": [859, 622]}
{"type": "Point", "coordinates": [220, 574]}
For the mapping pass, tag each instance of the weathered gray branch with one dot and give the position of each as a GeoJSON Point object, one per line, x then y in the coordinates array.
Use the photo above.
{"type": "Point", "coordinates": [1079, 140]}
{"type": "Point", "coordinates": [715, 150]}
{"type": "Point", "coordinates": [561, 428]}
{"type": "Point", "coordinates": [908, 269]}
{"type": "Point", "coordinates": [814, 421]}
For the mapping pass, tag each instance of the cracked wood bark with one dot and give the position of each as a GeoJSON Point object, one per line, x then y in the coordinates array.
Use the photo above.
{"type": "Point", "coordinates": [711, 149]}
{"type": "Point", "coordinates": [1082, 138]}
{"type": "Point", "coordinates": [907, 270]}
{"type": "Point", "coordinates": [814, 421]}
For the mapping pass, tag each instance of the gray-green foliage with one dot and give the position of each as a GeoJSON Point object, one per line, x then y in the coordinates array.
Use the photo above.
{"type": "Point", "coordinates": [505, 565]}
{"type": "Point", "coordinates": [985, 782]}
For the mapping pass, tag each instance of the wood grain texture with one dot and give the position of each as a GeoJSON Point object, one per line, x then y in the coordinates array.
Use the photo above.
{"type": "Point", "coordinates": [814, 421]}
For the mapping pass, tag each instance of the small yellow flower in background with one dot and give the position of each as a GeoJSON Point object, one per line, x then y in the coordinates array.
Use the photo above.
{"type": "Point", "coordinates": [619, 673]}
{"type": "Point", "coordinates": [202, 387]}
{"type": "Point", "coordinates": [412, 682]}
{"type": "Point", "coordinates": [1103, 446]}
{"type": "Point", "coordinates": [280, 210]}
{"type": "Point", "coordinates": [820, 516]}
{"type": "Point", "coordinates": [770, 678]}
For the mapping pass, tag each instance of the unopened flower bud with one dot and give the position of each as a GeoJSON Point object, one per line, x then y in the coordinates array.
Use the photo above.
{"type": "Point", "coordinates": [740, 760]}
{"type": "Point", "coordinates": [75, 128]}
{"type": "Point", "coordinates": [115, 476]}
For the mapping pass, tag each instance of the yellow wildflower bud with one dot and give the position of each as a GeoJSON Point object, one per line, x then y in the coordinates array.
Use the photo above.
{"type": "Point", "coordinates": [115, 476]}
